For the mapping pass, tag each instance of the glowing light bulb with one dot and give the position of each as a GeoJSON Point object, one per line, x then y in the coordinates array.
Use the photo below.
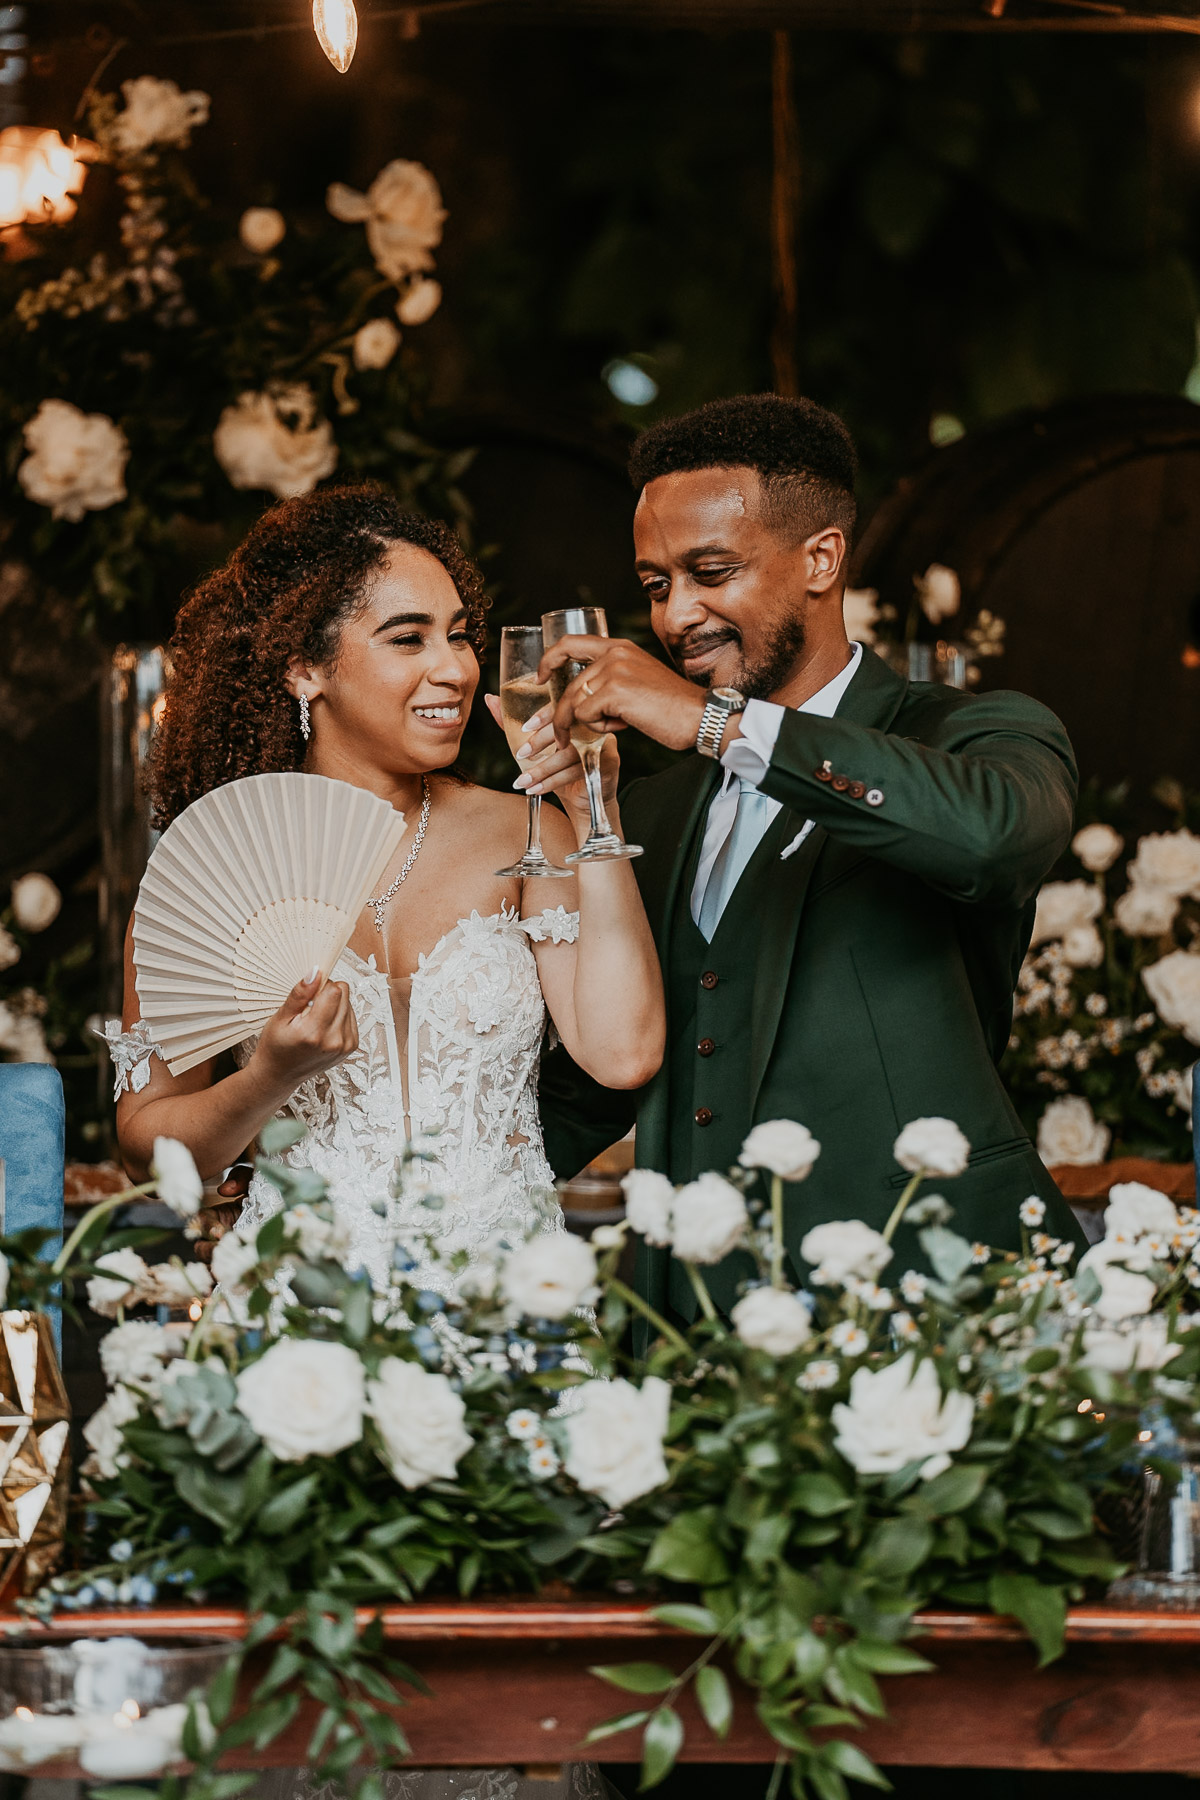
{"type": "Point", "coordinates": [23, 1712]}
{"type": "Point", "coordinates": [336, 25]}
{"type": "Point", "coordinates": [196, 1311]}
{"type": "Point", "coordinates": [131, 1709]}
{"type": "Point", "coordinates": [40, 175]}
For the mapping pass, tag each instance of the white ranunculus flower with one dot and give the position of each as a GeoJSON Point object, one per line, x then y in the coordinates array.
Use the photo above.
{"type": "Point", "coordinates": [939, 592]}
{"type": "Point", "coordinates": [104, 1432]}
{"type": "Point", "coordinates": [304, 1398]}
{"type": "Point", "coordinates": [179, 1183]}
{"type": "Point", "coordinates": [261, 228]}
{"type": "Point", "coordinates": [932, 1147]}
{"type": "Point", "coordinates": [420, 1419]}
{"type": "Point", "coordinates": [899, 1414]}
{"type": "Point", "coordinates": [36, 902]}
{"type": "Point", "coordinates": [1170, 860]}
{"type": "Point", "coordinates": [156, 112]}
{"type": "Point", "coordinates": [843, 1248]}
{"type": "Point", "coordinates": [375, 344]}
{"type": "Point", "coordinates": [615, 1438]}
{"type": "Point", "coordinates": [1173, 983]}
{"type": "Point", "coordinates": [1139, 1344]}
{"type": "Point", "coordinates": [649, 1198]}
{"type": "Point", "coordinates": [134, 1353]}
{"type": "Point", "coordinates": [276, 441]}
{"type": "Point", "coordinates": [708, 1220]}
{"type": "Point", "coordinates": [177, 1284]}
{"type": "Point", "coordinates": [1146, 911]}
{"type": "Point", "coordinates": [76, 460]}
{"type": "Point", "coordinates": [1124, 1292]}
{"type": "Point", "coordinates": [124, 1281]}
{"type": "Point", "coordinates": [234, 1260]}
{"type": "Point", "coordinates": [1064, 906]}
{"type": "Point", "coordinates": [550, 1275]}
{"type": "Point", "coordinates": [10, 950]}
{"type": "Point", "coordinates": [772, 1319]}
{"type": "Point", "coordinates": [860, 610]}
{"type": "Point", "coordinates": [1097, 847]}
{"type": "Point", "coordinates": [403, 213]}
{"type": "Point", "coordinates": [1135, 1210]}
{"type": "Point", "coordinates": [1069, 1133]}
{"type": "Point", "coordinates": [1083, 947]}
{"type": "Point", "coordinates": [419, 301]}
{"type": "Point", "coordinates": [782, 1147]}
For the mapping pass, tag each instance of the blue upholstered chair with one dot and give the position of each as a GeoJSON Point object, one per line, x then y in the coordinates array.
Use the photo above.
{"type": "Point", "coordinates": [32, 1127]}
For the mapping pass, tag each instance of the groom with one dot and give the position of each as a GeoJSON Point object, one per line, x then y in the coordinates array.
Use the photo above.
{"type": "Point", "coordinates": [841, 876]}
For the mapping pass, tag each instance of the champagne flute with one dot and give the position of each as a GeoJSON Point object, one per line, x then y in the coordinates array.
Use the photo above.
{"type": "Point", "coordinates": [522, 695]}
{"type": "Point", "coordinates": [602, 843]}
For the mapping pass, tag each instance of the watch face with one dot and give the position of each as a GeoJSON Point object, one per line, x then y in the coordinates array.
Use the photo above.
{"type": "Point", "coordinates": [727, 697]}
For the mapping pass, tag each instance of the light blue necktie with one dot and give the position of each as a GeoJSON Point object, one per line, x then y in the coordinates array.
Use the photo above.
{"type": "Point", "coordinates": [755, 812]}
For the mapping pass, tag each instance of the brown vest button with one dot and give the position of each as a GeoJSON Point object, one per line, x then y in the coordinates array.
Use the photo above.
{"type": "Point", "coordinates": [703, 1115]}
{"type": "Point", "coordinates": [706, 1046]}
{"type": "Point", "coordinates": [840, 783]}
{"type": "Point", "coordinates": [823, 774]}
{"type": "Point", "coordinates": [856, 790]}
{"type": "Point", "coordinates": [708, 979]}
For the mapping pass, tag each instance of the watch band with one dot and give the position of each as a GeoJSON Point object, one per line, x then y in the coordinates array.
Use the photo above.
{"type": "Point", "coordinates": [713, 720]}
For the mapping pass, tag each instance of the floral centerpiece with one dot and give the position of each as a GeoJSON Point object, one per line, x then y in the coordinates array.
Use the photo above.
{"type": "Point", "coordinates": [1107, 1017]}
{"type": "Point", "coordinates": [790, 1485]}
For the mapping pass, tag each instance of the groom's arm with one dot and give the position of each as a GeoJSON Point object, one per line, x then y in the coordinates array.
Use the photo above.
{"type": "Point", "coordinates": [579, 1117]}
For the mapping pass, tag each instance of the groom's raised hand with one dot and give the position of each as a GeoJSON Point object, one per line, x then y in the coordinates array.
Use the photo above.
{"type": "Point", "coordinates": [623, 685]}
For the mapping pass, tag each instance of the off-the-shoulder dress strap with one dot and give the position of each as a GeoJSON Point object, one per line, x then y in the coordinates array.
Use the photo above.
{"type": "Point", "coordinates": [554, 924]}
{"type": "Point", "coordinates": [130, 1052]}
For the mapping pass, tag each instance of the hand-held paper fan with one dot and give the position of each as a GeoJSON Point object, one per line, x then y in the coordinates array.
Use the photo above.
{"type": "Point", "coordinates": [247, 890]}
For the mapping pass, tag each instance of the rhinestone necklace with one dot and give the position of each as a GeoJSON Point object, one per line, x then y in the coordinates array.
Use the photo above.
{"type": "Point", "coordinates": [410, 859]}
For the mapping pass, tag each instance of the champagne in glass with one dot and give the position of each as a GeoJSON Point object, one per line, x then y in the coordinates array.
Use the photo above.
{"type": "Point", "coordinates": [602, 843]}
{"type": "Point", "coordinates": [522, 695]}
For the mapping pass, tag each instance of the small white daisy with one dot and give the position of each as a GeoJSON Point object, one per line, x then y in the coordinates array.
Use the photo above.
{"type": "Point", "coordinates": [822, 1374]}
{"type": "Point", "coordinates": [523, 1424]}
{"type": "Point", "coordinates": [1032, 1211]}
{"type": "Point", "coordinates": [1062, 1255]}
{"type": "Point", "coordinates": [849, 1338]}
{"type": "Point", "coordinates": [980, 1253]}
{"type": "Point", "coordinates": [877, 1299]}
{"type": "Point", "coordinates": [542, 1462]}
{"type": "Point", "coordinates": [905, 1327]}
{"type": "Point", "coordinates": [1043, 1243]}
{"type": "Point", "coordinates": [913, 1286]}
{"type": "Point", "coordinates": [1033, 1282]}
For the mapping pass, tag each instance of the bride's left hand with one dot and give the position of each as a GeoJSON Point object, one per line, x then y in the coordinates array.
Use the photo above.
{"type": "Point", "coordinates": [550, 768]}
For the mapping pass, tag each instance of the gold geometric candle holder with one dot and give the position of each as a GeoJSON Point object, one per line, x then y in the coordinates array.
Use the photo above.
{"type": "Point", "coordinates": [35, 1456]}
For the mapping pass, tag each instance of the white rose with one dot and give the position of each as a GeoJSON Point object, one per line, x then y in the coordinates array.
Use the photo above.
{"type": "Point", "coordinates": [420, 1419]}
{"type": "Point", "coordinates": [781, 1146]}
{"type": "Point", "coordinates": [842, 1248]}
{"type": "Point", "coordinates": [419, 301]}
{"type": "Point", "coordinates": [615, 1438]}
{"type": "Point", "coordinates": [156, 112]}
{"type": "Point", "coordinates": [932, 1147]}
{"type": "Point", "coordinates": [375, 344]}
{"type": "Point", "coordinates": [1170, 860]}
{"type": "Point", "coordinates": [234, 1260]}
{"type": "Point", "coordinates": [1146, 911]}
{"type": "Point", "coordinates": [22, 1036]}
{"type": "Point", "coordinates": [178, 1284]}
{"type": "Point", "coordinates": [134, 1353]}
{"type": "Point", "coordinates": [1064, 906]}
{"type": "Point", "coordinates": [76, 460]}
{"type": "Point", "coordinates": [1097, 847]}
{"type": "Point", "coordinates": [1141, 1344]}
{"type": "Point", "coordinates": [898, 1415]}
{"type": "Point", "coordinates": [261, 228]}
{"type": "Point", "coordinates": [275, 441]}
{"type": "Point", "coordinates": [1135, 1210]}
{"type": "Point", "coordinates": [649, 1198]}
{"type": "Point", "coordinates": [10, 950]}
{"type": "Point", "coordinates": [939, 592]}
{"type": "Point", "coordinates": [304, 1398]}
{"type": "Point", "coordinates": [773, 1320]}
{"type": "Point", "coordinates": [1124, 1292]}
{"type": "Point", "coordinates": [124, 1281]}
{"type": "Point", "coordinates": [36, 902]}
{"type": "Point", "coordinates": [1173, 983]}
{"type": "Point", "coordinates": [179, 1184]}
{"type": "Point", "coordinates": [1069, 1133]}
{"type": "Point", "coordinates": [1083, 947]}
{"type": "Point", "coordinates": [709, 1219]}
{"type": "Point", "coordinates": [550, 1275]}
{"type": "Point", "coordinates": [860, 611]}
{"type": "Point", "coordinates": [104, 1431]}
{"type": "Point", "coordinates": [403, 213]}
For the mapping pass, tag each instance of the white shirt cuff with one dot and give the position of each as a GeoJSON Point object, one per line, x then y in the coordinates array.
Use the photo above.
{"type": "Point", "coordinates": [749, 756]}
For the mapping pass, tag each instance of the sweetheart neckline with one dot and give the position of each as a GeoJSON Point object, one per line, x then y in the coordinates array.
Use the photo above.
{"type": "Point", "coordinates": [505, 916]}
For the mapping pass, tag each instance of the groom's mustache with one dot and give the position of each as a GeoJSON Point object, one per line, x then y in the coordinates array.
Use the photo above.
{"type": "Point", "coordinates": [695, 643]}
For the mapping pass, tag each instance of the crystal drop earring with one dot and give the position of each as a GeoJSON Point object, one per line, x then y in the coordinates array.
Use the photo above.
{"type": "Point", "coordinates": [305, 721]}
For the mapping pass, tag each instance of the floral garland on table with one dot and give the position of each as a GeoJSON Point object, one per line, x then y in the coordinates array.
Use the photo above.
{"type": "Point", "coordinates": [791, 1485]}
{"type": "Point", "coordinates": [146, 383]}
{"type": "Point", "coordinates": [1107, 1014]}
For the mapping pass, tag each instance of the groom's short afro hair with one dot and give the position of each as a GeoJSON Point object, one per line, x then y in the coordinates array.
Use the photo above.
{"type": "Point", "coordinates": [803, 453]}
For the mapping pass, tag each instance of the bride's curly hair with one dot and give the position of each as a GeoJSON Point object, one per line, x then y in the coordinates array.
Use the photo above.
{"type": "Point", "coordinates": [302, 571]}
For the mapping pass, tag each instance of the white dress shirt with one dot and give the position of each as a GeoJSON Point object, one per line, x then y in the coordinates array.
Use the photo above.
{"type": "Point", "coordinates": [748, 759]}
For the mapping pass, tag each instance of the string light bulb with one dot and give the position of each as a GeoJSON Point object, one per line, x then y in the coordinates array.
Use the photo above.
{"type": "Point", "coordinates": [336, 25]}
{"type": "Point", "coordinates": [40, 175]}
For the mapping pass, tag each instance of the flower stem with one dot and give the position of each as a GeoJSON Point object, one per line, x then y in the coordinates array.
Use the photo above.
{"type": "Point", "coordinates": [901, 1206]}
{"type": "Point", "coordinates": [700, 1289]}
{"type": "Point", "coordinates": [647, 1311]}
{"type": "Point", "coordinates": [777, 1231]}
{"type": "Point", "coordinates": [107, 1205]}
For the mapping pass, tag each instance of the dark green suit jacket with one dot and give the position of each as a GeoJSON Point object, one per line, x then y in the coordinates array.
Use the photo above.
{"type": "Point", "coordinates": [881, 963]}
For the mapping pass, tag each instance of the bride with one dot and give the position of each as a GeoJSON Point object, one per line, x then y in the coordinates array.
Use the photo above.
{"type": "Point", "coordinates": [344, 638]}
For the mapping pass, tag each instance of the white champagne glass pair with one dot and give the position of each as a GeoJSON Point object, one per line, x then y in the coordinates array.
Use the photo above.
{"type": "Point", "coordinates": [521, 696]}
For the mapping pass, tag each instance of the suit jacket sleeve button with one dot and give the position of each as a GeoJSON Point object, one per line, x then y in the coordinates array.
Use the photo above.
{"type": "Point", "coordinates": [856, 790]}
{"type": "Point", "coordinates": [703, 1115]}
{"type": "Point", "coordinates": [840, 783]}
{"type": "Point", "coordinates": [874, 796]}
{"type": "Point", "coordinates": [823, 774]}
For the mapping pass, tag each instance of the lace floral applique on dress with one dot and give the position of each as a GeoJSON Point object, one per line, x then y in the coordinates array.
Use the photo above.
{"type": "Point", "coordinates": [130, 1052]}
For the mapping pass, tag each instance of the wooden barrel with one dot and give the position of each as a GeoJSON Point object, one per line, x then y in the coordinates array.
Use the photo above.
{"type": "Point", "coordinates": [1080, 526]}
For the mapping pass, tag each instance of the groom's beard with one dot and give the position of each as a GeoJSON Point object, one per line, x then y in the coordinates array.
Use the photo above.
{"type": "Point", "coordinates": [761, 677]}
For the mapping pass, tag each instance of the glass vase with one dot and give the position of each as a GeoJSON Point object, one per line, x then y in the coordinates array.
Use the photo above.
{"type": "Point", "coordinates": [1167, 1577]}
